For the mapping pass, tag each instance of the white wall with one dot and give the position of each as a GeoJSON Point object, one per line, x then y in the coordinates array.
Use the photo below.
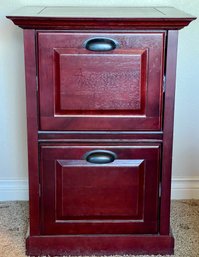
{"type": "Point", "coordinates": [13, 149]}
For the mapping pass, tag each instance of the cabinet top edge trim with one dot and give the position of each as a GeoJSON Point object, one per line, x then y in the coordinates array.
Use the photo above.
{"type": "Point", "coordinates": [56, 17]}
{"type": "Point", "coordinates": [107, 12]}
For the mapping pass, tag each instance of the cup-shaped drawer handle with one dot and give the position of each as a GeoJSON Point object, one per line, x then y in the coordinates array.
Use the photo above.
{"type": "Point", "coordinates": [100, 44]}
{"type": "Point", "coordinates": [100, 156]}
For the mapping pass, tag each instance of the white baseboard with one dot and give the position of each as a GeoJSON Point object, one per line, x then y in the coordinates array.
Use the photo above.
{"type": "Point", "coordinates": [182, 188]}
{"type": "Point", "coordinates": [185, 188]}
{"type": "Point", "coordinates": [13, 190]}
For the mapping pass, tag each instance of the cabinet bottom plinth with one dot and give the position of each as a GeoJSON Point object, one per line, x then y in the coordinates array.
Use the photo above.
{"type": "Point", "coordinates": [99, 245]}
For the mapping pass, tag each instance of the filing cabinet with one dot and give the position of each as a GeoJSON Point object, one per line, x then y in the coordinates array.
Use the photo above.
{"type": "Point", "coordinates": [100, 86]}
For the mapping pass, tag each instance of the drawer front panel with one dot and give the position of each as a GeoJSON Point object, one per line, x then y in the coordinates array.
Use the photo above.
{"type": "Point", "coordinates": [88, 83]}
{"type": "Point", "coordinates": [120, 89]}
{"type": "Point", "coordinates": [95, 191]}
{"type": "Point", "coordinates": [81, 197]}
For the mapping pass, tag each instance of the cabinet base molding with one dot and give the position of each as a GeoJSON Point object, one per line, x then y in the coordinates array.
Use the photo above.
{"type": "Point", "coordinates": [99, 245]}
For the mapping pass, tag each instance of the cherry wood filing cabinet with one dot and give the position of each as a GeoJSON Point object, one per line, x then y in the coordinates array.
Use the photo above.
{"type": "Point", "coordinates": [100, 88]}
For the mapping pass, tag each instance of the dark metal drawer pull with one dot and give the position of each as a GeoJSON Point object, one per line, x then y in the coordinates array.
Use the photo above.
{"type": "Point", "coordinates": [100, 44]}
{"type": "Point", "coordinates": [100, 156]}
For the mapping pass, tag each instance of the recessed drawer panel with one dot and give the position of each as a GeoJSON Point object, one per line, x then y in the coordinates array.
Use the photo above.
{"type": "Point", "coordinates": [94, 190]}
{"type": "Point", "coordinates": [100, 86]}
{"type": "Point", "coordinates": [96, 83]}
{"type": "Point", "coordinates": [100, 189]}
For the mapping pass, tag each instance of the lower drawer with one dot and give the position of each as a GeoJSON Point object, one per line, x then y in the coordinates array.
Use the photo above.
{"type": "Point", "coordinates": [99, 189]}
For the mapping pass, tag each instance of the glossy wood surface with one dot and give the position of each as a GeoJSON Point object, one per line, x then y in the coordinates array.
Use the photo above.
{"type": "Point", "coordinates": [105, 198]}
{"type": "Point", "coordinates": [83, 78]}
{"type": "Point", "coordinates": [100, 136]}
{"type": "Point", "coordinates": [79, 101]}
{"type": "Point", "coordinates": [32, 129]}
{"type": "Point", "coordinates": [100, 17]}
{"type": "Point", "coordinates": [100, 245]}
{"type": "Point", "coordinates": [168, 131]}
{"type": "Point", "coordinates": [100, 12]}
{"type": "Point", "coordinates": [87, 90]}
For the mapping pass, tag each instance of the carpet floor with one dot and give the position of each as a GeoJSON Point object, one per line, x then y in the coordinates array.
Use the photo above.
{"type": "Point", "coordinates": [184, 222]}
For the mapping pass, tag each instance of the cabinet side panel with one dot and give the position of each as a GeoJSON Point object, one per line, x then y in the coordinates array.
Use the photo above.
{"type": "Point", "coordinates": [32, 126]}
{"type": "Point", "coordinates": [168, 131]}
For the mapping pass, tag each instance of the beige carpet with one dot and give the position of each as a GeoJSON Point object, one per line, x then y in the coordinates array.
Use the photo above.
{"type": "Point", "coordinates": [184, 219]}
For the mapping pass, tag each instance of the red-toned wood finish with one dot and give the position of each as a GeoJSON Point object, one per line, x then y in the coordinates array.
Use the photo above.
{"type": "Point", "coordinates": [32, 128]}
{"type": "Point", "coordinates": [113, 90]}
{"type": "Point", "coordinates": [168, 131]}
{"type": "Point", "coordinates": [120, 197]}
{"type": "Point", "coordinates": [83, 78]}
{"type": "Point", "coordinates": [100, 245]}
{"type": "Point", "coordinates": [119, 103]}
{"type": "Point", "coordinates": [100, 136]}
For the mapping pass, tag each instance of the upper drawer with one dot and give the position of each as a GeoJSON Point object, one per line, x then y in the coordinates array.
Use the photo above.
{"type": "Point", "coordinates": [117, 89]}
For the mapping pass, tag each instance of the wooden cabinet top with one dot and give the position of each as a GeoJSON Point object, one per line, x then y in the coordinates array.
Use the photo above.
{"type": "Point", "coordinates": [63, 17]}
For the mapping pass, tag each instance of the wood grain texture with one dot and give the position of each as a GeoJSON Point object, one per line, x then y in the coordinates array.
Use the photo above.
{"type": "Point", "coordinates": [110, 101]}
{"type": "Point", "coordinates": [32, 125]}
{"type": "Point", "coordinates": [118, 90]}
{"type": "Point", "coordinates": [84, 198]}
{"type": "Point", "coordinates": [84, 190]}
{"type": "Point", "coordinates": [83, 78]}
